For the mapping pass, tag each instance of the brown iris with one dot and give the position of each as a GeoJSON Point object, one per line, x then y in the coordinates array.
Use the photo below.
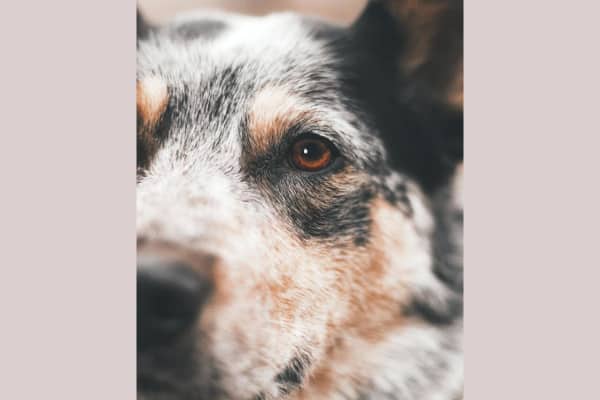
{"type": "Point", "coordinates": [312, 153]}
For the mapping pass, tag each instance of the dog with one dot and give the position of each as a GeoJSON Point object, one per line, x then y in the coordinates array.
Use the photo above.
{"type": "Point", "coordinates": [299, 207]}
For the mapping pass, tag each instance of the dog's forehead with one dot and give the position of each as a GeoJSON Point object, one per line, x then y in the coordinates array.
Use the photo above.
{"type": "Point", "coordinates": [278, 48]}
{"type": "Point", "coordinates": [220, 67]}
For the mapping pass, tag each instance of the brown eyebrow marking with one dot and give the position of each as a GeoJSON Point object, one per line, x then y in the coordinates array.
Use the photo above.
{"type": "Point", "coordinates": [273, 111]}
{"type": "Point", "coordinates": [152, 99]}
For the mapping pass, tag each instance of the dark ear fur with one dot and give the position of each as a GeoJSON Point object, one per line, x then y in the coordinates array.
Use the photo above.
{"type": "Point", "coordinates": [420, 42]}
{"type": "Point", "coordinates": [143, 26]}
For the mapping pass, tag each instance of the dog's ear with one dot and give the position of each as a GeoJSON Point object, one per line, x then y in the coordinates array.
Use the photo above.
{"type": "Point", "coordinates": [143, 26]}
{"type": "Point", "coordinates": [420, 45]}
{"type": "Point", "coordinates": [425, 38]}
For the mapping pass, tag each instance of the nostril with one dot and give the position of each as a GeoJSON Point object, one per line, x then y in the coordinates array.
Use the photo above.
{"type": "Point", "coordinates": [169, 298]}
{"type": "Point", "coordinates": [171, 292]}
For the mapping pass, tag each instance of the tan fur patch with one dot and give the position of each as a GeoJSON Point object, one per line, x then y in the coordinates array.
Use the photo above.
{"type": "Point", "coordinates": [284, 307]}
{"type": "Point", "coordinates": [152, 99]}
{"type": "Point", "coordinates": [455, 91]}
{"type": "Point", "coordinates": [370, 279]}
{"type": "Point", "coordinates": [377, 289]}
{"type": "Point", "coordinates": [273, 111]}
{"type": "Point", "coordinates": [377, 306]}
{"type": "Point", "coordinates": [322, 382]}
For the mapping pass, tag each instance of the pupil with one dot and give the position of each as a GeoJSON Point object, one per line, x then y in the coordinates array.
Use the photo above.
{"type": "Point", "coordinates": [311, 152]}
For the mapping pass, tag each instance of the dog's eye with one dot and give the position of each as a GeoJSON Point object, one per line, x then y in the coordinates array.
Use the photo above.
{"type": "Point", "coordinates": [312, 153]}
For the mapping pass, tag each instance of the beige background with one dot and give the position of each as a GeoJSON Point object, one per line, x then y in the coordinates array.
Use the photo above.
{"type": "Point", "coordinates": [342, 11]}
{"type": "Point", "coordinates": [67, 200]}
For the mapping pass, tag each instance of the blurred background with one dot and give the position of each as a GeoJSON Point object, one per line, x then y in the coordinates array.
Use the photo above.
{"type": "Point", "coordinates": [341, 11]}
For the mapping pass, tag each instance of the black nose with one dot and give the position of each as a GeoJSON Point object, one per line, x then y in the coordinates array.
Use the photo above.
{"type": "Point", "coordinates": [170, 295]}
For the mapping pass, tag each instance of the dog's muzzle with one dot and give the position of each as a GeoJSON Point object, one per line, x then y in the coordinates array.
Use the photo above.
{"type": "Point", "coordinates": [172, 288]}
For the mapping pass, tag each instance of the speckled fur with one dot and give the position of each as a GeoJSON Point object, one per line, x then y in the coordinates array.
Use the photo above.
{"type": "Point", "coordinates": [345, 284]}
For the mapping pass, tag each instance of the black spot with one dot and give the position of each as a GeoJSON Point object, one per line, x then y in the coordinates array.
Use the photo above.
{"type": "Point", "coordinates": [390, 196]}
{"type": "Point", "coordinates": [434, 313]}
{"type": "Point", "coordinates": [223, 85]}
{"type": "Point", "coordinates": [260, 396]}
{"type": "Point", "coordinates": [341, 217]}
{"type": "Point", "coordinates": [397, 197]}
{"type": "Point", "coordinates": [206, 29]}
{"type": "Point", "coordinates": [360, 240]}
{"type": "Point", "coordinates": [293, 375]}
{"type": "Point", "coordinates": [447, 243]}
{"type": "Point", "coordinates": [143, 27]}
{"type": "Point", "coordinates": [150, 137]}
